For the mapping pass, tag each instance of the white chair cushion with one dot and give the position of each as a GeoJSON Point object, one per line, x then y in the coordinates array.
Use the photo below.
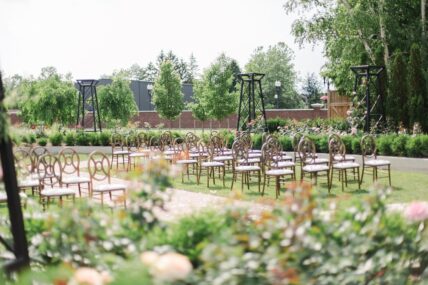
{"type": "Point", "coordinates": [283, 164]}
{"type": "Point", "coordinates": [344, 165]}
{"type": "Point", "coordinates": [212, 164]}
{"type": "Point", "coordinates": [187, 161]}
{"type": "Point", "coordinates": [254, 155]}
{"type": "Point", "coordinates": [223, 158]}
{"type": "Point", "coordinates": [57, 191]}
{"type": "Point", "coordinates": [28, 183]}
{"type": "Point", "coordinates": [108, 187]}
{"type": "Point", "coordinates": [75, 179]}
{"type": "Point", "coordinates": [346, 158]}
{"type": "Point", "coordinates": [139, 154]}
{"type": "Point", "coordinates": [315, 168]}
{"type": "Point", "coordinates": [168, 152]}
{"type": "Point", "coordinates": [250, 160]}
{"type": "Point", "coordinates": [282, 157]}
{"type": "Point", "coordinates": [243, 168]}
{"type": "Point", "coordinates": [316, 161]}
{"type": "Point", "coordinates": [3, 196]}
{"type": "Point", "coordinates": [279, 172]}
{"type": "Point", "coordinates": [116, 152]}
{"type": "Point", "coordinates": [377, 162]}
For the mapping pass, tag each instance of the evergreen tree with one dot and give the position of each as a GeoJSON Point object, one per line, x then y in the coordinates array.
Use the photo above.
{"type": "Point", "coordinates": [167, 96]}
{"type": "Point", "coordinates": [311, 89]}
{"type": "Point", "coordinates": [418, 100]}
{"type": "Point", "coordinates": [398, 97]}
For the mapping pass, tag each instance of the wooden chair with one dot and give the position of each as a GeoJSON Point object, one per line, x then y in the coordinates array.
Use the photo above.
{"type": "Point", "coordinates": [336, 139]}
{"type": "Point", "coordinates": [24, 167]}
{"type": "Point", "coordinates": [271, 153]}
{"type": "Point", "coordinates": [35, 154]}
{"type": "Point", "coordinates": [242, 165]}
{"type": "Point", "coordinates": [118, 149]}
{"type": "Point", "coordinates": [370, 160]}
{"type": "Point", "coordinates": [295, 140]}
{"type": "Point", "coordinates": [337, 154]}
{"type": "Point", "coordinates": [70, 165]}
{"type": "Point", "coordinates": [99, 171]}
{"type": "Point", "coordinates": [136, 150]}
{"type": "Point", "coordinates": [209, 164]}
{"type": "Point", "coordinates": [49, 170]}
{"type": "Point", "coordinates": [309, 163]}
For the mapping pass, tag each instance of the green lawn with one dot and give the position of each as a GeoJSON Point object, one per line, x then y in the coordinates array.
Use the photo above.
{"type": "Point", "coordinates": [406, 187]}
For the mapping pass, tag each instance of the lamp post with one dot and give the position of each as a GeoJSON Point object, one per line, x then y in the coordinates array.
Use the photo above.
{"type": "Point", "coordinates": [278, 92]}
{"type": "Point", "coordinates": [149, 90]}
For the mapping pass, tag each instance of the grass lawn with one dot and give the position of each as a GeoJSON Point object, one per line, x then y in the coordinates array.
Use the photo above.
{"type": "Point", "coordinates": [406, 187]}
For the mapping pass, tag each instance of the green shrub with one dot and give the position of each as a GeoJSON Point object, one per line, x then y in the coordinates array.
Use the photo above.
{"type": "Point", "coordinates": [94, 139]}
{"type": "Point", "coordinates": [43, 141]}
{"type": "Point", "coordinates": [285, 142]}
{"type": "Point", "coordinates": [82, 139]}
{"type": "Point", "coordinates": [257, 141]}
{"type": "Point", "coordinates": [273, 124]}
{"type": "Point", "coordinates": [384, 144]}
{"type": "Point", "coordinates": [56, 139]}
{"type": "Point", "coordinates": [322, 144]}
{"type": "Point", "coordinates": [70, 139]}
{"type": "Point", "coordinates": [356, 146]}
{"type": "Point", "coordinates": [424, 146]}
{"type": "Point", "coordinates": [398, 145]}
{"type": "Point", "coordinates": [347, 140]}
{"type": "Point", "coordinates": [104, 138]}
{"type": "Point", "coordinates": [414, 146]}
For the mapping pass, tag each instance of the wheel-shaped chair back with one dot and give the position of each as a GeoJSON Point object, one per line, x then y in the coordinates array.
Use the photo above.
{"type": "Point", "coordinates": [99, 166]}
{"type": "Point", "coordinates": [70, 161]}
{"type": "Point", "coordinates": [49, 171]}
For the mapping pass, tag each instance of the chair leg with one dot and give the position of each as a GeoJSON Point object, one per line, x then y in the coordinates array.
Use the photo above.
{"type": "Point", "coordinates": [224, 174]}
{"type": "Point", "coordinates": [233, 179]}
{"type": "Point", "coordinates": [389, 174]}
{"type": "Point", "coordinates": [260, 179]}
{"type": "Point", "coordinates": [102, 199]}
{"type": "Point", "coordinates": [358, 173]}
{"type": "Point", "coordinates": [242, 182]}
{"type": "Point", "coordinates": [264, 184]}
{"type": "Point", "coordinates": [277, 186]}
{"type": "Point", "coordinates": [362, 175]}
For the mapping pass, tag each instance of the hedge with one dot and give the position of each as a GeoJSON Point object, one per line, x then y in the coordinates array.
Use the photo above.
{"type": "Point", "coordinates": [389, 144]}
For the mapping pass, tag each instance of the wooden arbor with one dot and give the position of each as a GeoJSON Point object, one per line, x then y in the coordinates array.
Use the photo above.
{"type": "Point", "coordinates": [251, 101]}
{"type": "Point", "coordinates": [20, 246]}
{"type": "Point", "coordinates": [88, 100]}
{"type": "Point", "coordinates": [369, 77]}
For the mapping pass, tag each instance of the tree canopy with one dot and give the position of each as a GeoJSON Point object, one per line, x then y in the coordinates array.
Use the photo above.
{"type": "Point", "coordinates": [167, 96]}
{"type": "Point", "coordinates": [116, 101]}
{"type": "Point", "coordinates": [276, 63]}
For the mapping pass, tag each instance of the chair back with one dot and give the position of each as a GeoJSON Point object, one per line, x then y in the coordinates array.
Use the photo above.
{"type": "Point", "coordinates": [99, 166]}
{"type": "Point", "coordinates": [117, 141]}
{"type": "Point", "coordinates": [191, 142]}
{"type": "Point", "coordinates": [36, 153]}
{"type": "Point", "coordinates": [368, 147]}
{"type": "Point", "coordinates": [306, 151]}
{"type": "Point", "coordinates": [132, 143]}
{"type": "Point", "coordinates": [240, 151]}
{"type": "Point", "coordinates": [142, 140]}
{"type": "Point", "coordinates": [70, 161]}
{"type": "Point", "coordinates": [49, 170]}
{"type": "Point", "coordinates": [337, 150]}
{"type": "Point", "coordinates": [23, 162]}
{"type": "Point", "coordinates": [166, 140]}
{"type": "Point", "coordinates": [271, 154]}
{"type": "Point", "coordinates": [295, 140]}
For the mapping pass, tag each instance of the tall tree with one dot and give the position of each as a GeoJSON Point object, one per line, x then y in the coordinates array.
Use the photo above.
{"type": "Point", "coordinates": [418, 105]}
{"type": "Point", "coordinates": [397, 100]}
{"type": "Point", "coordinates": [117, 101]}
{"type": "Point", "coordinates": [311, 89]}
{"type": "Point", "coordinates": [167, 96]}
{"type": "Point", "coordinates": [199, 106]}
{"type": "Point", "coordinates": [218, 93]}
{"type": "Point", "coordinates": [276, 63]}
{"type": "Point", "coordinates": [193, 69]}
{"type": "Point", "coordinates": [51, 98]}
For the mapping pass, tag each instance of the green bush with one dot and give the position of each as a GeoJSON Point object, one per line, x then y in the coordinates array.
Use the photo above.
{"type": "Point", "coordinates": [82, 139]}
{"type": "Point", "coordinates": [322, 144]}
{"type": "Point", "coordinates": [104, 138]}
{"type": "Point", "coordinates": [70, 139]}
{"type": "Point", "coordinates": [285, 142]}
{"type": "Point", "coordinates": [384, 144]}
{"type": "Point", "coordinates": [347, 140]}
{"type": "Point", "coordinates": [414, 146]}
{"type": "Point", "coordinates": [257, 141]}
{"type": "Point", "coordinates": [94, 139]}
{"type": "Point", "coordinates": [43, 141]}
{"type": "Point", "coordinates": [273, 124]}
{"type": "Point", "coordinates": [398, 145]}
{"type": "Point", "coordinates": [356, 146]}
{"type": "Point", "coordinates": [56, 139]}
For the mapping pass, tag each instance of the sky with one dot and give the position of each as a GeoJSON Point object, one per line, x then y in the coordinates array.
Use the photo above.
{"type": "Point", "coordinates": [93, 37]}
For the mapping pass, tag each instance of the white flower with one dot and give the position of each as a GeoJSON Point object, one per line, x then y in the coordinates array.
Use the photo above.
{"type": "Point", "coordinates": [172, 267]}
{"type": "Point", "coordinates": [149, 258]}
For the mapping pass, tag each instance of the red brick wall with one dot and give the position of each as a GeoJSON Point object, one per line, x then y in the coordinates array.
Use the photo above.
{"type": "Point", "coordinates": [187, 121]}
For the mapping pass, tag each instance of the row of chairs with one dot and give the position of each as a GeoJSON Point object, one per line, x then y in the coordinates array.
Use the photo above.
{"type": "Point", "coordinates": [54, 176]}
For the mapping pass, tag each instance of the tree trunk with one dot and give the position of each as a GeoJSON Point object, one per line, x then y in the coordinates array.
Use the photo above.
{"type": "Point", "coordinates": [383, 37]}
{"type": "Point", "coordinates": [360, 34]}
{"type": "Point", "coordinates": [423, 28]}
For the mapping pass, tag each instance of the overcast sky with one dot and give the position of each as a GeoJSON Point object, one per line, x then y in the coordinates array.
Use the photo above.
{"type": "Point", "coordinates": [93, 37]}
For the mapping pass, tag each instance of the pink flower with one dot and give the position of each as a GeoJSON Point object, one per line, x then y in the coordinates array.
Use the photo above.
{"type": "Point", "coordinates": [349, 112]}
{"type": "Point", "coordinates": [87, 276]}
{"type": "Point", "coordinates": [353, 131]}
{"type": "Point", "coordinates": [417, 212]}
{"type": "Point", "coordinates": [149, 258]}
{"type": "Point", "coordinates": [171, 267]}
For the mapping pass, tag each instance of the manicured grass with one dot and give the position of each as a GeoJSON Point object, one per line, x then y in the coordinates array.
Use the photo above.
{"type": "Point", "coordinates": [406, 187]}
